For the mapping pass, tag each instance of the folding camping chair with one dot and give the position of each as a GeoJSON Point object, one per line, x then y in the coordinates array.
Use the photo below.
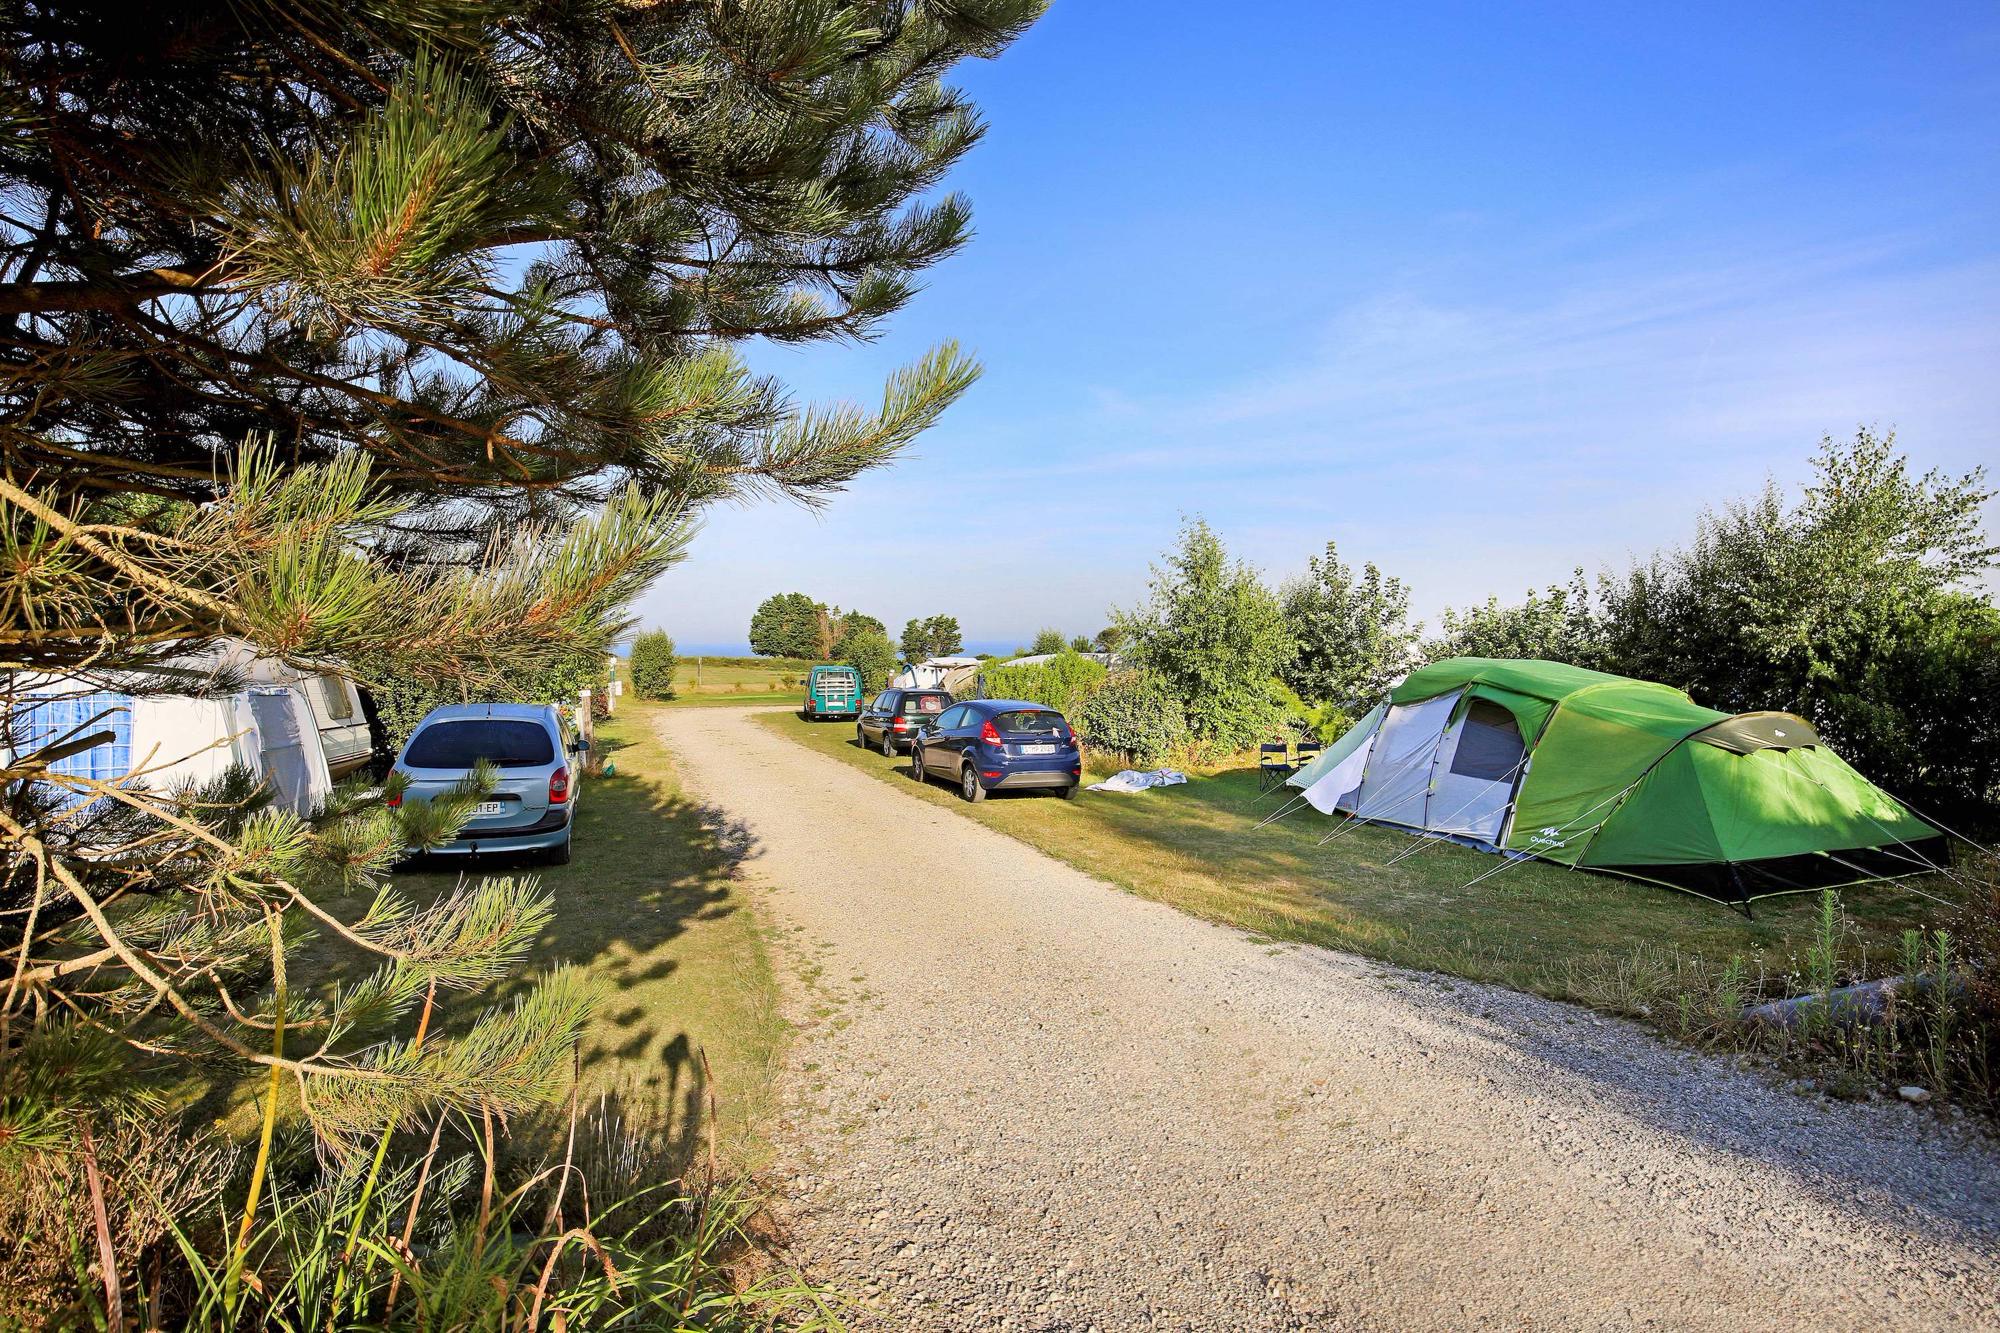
{"type": "Point", "coordinates": [1274, 765]}
{"type": "Point", "coordinates": [1306, 753]}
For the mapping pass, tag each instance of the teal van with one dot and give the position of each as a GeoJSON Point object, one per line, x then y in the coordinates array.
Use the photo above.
{"type": "Point", "coordinates": [833, 691]}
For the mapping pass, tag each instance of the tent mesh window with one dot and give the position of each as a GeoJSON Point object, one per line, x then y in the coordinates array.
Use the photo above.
{"type": "Point", "coordinates": [53, 719]}
{"type": "Point", "coordinates": [1489, 744]}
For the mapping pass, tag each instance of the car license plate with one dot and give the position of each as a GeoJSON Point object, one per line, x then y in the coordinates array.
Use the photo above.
{"type": "Point", "coordinates": [489, 807]}
{"type": "Point", "coordinates": [1038, 749]}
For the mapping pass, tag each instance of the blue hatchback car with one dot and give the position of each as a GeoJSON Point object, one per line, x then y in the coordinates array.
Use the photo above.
{"type": "Point", "coordinates": [533, 800]}
{"type": "Point", "coordinates": [987, 745]}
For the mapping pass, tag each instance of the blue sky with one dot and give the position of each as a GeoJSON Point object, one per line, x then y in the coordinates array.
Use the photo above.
{"type": "Point", "coordinates": [1480, 292]}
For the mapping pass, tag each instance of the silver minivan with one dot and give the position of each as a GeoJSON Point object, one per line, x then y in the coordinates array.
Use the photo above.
{"type": "Point", "coordinates": [533, 800]}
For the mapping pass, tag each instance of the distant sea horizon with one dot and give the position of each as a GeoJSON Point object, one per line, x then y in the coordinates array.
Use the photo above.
{"type": "Point", "coordinates": [995, 646]}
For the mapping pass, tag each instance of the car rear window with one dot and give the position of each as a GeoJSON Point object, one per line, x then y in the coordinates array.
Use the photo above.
{"type": "Point", "coordinates": [925, 704]}
{"type": "Point", "coordinates": [1031, 722]}
{"type": "Point", "coordinates": [463, 744]}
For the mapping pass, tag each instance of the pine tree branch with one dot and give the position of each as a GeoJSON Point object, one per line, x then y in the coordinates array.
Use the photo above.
{"type": "Point", "coordinates": [38, 298]}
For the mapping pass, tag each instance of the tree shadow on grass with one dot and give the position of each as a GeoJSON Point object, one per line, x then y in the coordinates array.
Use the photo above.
{"type": "Point", "coordinates": [650, 869]}
{"type": "Point", "coordinates": [648, 866]}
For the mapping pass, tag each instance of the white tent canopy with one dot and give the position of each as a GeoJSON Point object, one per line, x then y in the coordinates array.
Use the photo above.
{"type": "Point", "coordinates": [1432, 764]}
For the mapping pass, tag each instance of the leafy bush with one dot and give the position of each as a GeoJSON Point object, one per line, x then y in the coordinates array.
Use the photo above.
{"type": "Point", "coordinates": [1215, 636]}
{"type": "Point", "coordinates": [1134, 716]}
{"type": "Point", "coordinates": [1556, 624]}
{"type": "Point", "coordinates": [1063, 682]}
{"type": "Point", "coordinates": [869, 652]}
{"type": "Point", "coordinates": [1324, 722]}
{"type": "Point", "coordinates": [1862, 606]}
{"type": "Point", "coordinates": [1353, 634]}
{"type": "Point", "coordinates": [1048, 640]}
{"type": "Point", "coordinates": [653, 665]}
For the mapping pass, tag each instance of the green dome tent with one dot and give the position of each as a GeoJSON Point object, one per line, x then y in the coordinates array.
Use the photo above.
{"type": "Point", "coordinates": [1609, 773]}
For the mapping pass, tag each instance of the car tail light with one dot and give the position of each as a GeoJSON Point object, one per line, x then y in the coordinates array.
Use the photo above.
{"type": "Point", "coordinates": [392, 799]}
{"type": "Point", "coordinates": [900, 724]}
{"type": "Point", "coordinates": [559, 787]}
{"type": "Point", "coordinates": [989, 734]}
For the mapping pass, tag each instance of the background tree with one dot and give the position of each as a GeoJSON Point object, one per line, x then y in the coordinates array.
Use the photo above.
{"type": "Point", "coordinates": [1555, 625]}
{"type": "Point", "coordinates": [932, 636]}
{"type": "Point", "coordinates": [857, 622]}
{"type": "Point", "coordinates": [1860, 606]}
{"type": "Point", "coordinates": [1352, 636]}
{"type": "Point", "coordinates": [653, 665]}
{"type": "Point", "coordinates": [1215, 636]}
{"type": "Point", "coordinates": [869, 652]}
{"type": "Point", "coordinates": [1080, 644]}
{"type": "Point", "coordinates": [1048, 640]}
{"type": "Point", "coordinates": [788, 624]}
{"type": "Point", "coordinates": [1109, 638]}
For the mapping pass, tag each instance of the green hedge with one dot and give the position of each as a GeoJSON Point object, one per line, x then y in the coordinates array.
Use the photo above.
{"type": "Point", "coordinates": [1134, 715]}
{"type": "Point", "coordinates": [402, 702]}
{"type": "Point", "coordinates": [1063, 682]}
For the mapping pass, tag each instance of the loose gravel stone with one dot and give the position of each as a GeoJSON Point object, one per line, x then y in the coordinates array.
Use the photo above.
{"type": "Point", "coordinates": [1074, 1109]}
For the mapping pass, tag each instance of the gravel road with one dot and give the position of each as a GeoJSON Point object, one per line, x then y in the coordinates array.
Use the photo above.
{"type": "Point", "coordinates": [1026, 1099]}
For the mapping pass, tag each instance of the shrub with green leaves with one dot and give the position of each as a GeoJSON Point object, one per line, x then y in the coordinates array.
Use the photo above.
{"type": "Point", "coordinates": [653, 665]}
{"type": "Point", "coordinates": [403, 697]}
{"type": "Point", "coordinates": [1323, 722]}
{"type": "Point", "coordinates": [1215, 636]}
{"type": "Point", "coordinates": [1134, 716]}
{"type": "Point", "coordinates": [1063, 682]}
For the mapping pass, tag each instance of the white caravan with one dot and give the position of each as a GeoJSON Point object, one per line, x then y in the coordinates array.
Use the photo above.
{"type": "Point", "coordinates": [296, 730]}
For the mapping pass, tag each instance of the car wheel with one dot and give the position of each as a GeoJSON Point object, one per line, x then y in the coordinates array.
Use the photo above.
{"type": "Point", "coordinates": [917, 763]}
{"type": "Point", "coordinates": [558, 855]}
{"type": "Point", "coordinates": [860, 737]}
{"type": "Point", "coordinates": [888, 744]}
{"type": "Point", "coordinates": [968, 785]}
{"type": "Point", "coordinates": [1069, 792]}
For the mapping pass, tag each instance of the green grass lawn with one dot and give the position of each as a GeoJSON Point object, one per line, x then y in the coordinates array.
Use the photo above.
{"type": "Point", "coordinates": [648, 908]}
{"type": "Point", "coordinates": [1531, 925]}
{"type": "Point", "coordinates": [739, 680]}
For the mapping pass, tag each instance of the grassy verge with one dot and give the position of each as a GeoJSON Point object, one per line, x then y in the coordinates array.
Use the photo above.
{"type": "Point", "coordinates": [648, 909]}
{"type": "Point", "coordinates": [1531, 926]}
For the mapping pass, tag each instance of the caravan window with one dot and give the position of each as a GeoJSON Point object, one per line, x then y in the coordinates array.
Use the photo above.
{"type": "Point", "coordinates": [59, 719]}
{"type": "Point", "coordinates": [1489, 743]}
{"type": "Point", "coordinates": [333, 693]}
